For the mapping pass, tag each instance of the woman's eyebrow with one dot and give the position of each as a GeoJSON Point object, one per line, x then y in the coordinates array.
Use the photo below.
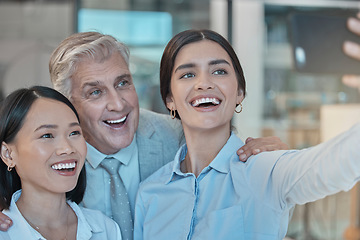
{"type": "Point", "coordinates": [54, 126]}
{"type": "Point", "coordinates": [213, 62]}
{"type": "Point", "coordinates": [51, 126]}
{"type": "Point", "coordinates": [183, 66]}
{"type": "Point", "coordinates": [218, 61]}
{"type": "Point", "coordinates": [74, 124]}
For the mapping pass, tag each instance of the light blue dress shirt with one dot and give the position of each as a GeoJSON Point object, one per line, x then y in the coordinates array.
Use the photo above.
{"type": "Point", "coordinates": [92, 224]}
{"type": "Point", "coordinates": [235, 200]}
{"type": "Point", "coordinates": [97, 193]}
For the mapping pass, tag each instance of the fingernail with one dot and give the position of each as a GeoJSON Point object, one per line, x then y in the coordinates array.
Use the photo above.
{"type": "Point", "coordinates": [354, 24]}
{"type": "Point", "coordinates": [4, 225]}
{"type": "Point", "coordinates": [8, 221]}
{"type": "Point", "coordinates": [242, 156]}
{"type": "Point", "coordinates": [257, 150]}
{"type": "Point", "coordinates": [240, 151]}
{"type": "Point", "coordinates": [350, 47]}
{"type": "Point", "coordinates": [351, 81]}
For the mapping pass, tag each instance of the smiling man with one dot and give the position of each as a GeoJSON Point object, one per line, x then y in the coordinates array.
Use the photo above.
{"type": "Point", "coordinates": [107, 103]}
{"type": "Point", "coordinates": [92, 70]}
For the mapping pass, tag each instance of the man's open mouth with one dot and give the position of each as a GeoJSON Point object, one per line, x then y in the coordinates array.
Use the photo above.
{"type": "Point", "coordinates": [116, 122]}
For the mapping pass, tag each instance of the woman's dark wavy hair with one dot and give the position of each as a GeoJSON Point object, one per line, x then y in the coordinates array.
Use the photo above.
{"type": "Point", "coordinates": [190, 36]}
{"type": "Point", "coordinates": [13, 111]}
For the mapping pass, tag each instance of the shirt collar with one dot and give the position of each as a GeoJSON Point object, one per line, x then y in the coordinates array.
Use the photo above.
{"type": "Point", "coordinates": [84, 228]}
{"type": "Point", "coordinates": [219, 163]}
{"type": "Point", "coordinates": [179, 157]}
{"type": "Point", "coordinates": [94, 157]}
{"type": "Point", "coordinates": [22, 227]}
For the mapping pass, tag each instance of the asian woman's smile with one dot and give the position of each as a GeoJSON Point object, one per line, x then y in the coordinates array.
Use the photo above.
{"type": "Point", "coordinates": [49, 150]}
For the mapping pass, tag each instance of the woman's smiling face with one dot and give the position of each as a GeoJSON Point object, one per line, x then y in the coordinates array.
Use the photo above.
{"type": "Point", "coordinates": [49, 149]}
{"type": "Point", "coordinates": [204, 87]}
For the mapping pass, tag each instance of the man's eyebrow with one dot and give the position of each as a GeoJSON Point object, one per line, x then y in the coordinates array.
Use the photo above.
{"type": "Point", "coordinates": [183, 66]}
{"type": "Point", "coordinates": [125, 75]}
{"type": "Point", "coordinates": [219, 61]}
{"type": "Point", "coordinates": [91, 84]}
{"type": "Point", "coordinates": [97, 83]}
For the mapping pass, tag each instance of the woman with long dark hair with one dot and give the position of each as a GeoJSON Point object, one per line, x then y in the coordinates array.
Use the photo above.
{"type": "Point", "coordinates": [41, 173]}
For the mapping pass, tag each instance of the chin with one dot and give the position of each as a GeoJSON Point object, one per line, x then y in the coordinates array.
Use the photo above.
{"type": "Point", "coordinates": [122, 144]}
{"type": "Point", "coordinates": [118, 144]}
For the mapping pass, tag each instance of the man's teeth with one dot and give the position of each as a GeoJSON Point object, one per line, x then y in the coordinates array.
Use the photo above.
{"type": "Point", "coordinates": [197, 102]}
{"type": "Point", "coordinates": [116, 121]}
{"type": "Point", "coordinates": [61, 166]}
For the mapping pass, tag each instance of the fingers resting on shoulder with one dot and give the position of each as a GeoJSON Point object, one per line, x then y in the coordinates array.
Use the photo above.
{"type": "Point", "coordinates": [5, 222]}
{"type": "Point", "coordinates": [254, 146]}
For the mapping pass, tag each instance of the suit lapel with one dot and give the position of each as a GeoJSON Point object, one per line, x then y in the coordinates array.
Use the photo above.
{"type": "Point", "coordinates": [150, 156]}
{"type": "Point", "coordinates": [150, 150]}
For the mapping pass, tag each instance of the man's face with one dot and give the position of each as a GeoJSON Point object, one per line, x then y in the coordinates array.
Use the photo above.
{"type": "Point", "coordinates": [104, 96]}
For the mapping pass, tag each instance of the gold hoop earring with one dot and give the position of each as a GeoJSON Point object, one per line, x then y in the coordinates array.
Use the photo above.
{"type": "Point", "coordinates": [240, 108]}
{"type": "Point", "coordinates": [172, 114]}
{"type": "Point", "coordinates": [9, 168]}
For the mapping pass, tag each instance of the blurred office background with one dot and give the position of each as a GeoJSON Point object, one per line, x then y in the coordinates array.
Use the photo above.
{"type": "Point", "coordinates": [281, 101]}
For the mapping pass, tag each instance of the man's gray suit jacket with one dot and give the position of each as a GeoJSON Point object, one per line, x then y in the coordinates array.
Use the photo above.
{"type": "Point", "coordinates": [158, 139]}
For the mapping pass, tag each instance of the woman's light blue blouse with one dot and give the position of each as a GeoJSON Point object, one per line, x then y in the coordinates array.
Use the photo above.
{"type": "Point", "coordinates": [92, 224]}
{"type": "Point", "coordinates": [235, 200]}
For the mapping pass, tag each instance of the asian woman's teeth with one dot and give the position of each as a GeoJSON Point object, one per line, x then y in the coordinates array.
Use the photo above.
{"type": "Point", "coordinates": [63, 166]}
{"type": "Point", "coordinates": [199, 101]}
{"type": "Point", "coordinates": [117, 121]}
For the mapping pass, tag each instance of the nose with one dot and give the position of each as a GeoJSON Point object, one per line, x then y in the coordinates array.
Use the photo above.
{"type": "Point", "coordinates": [204, 82]}
{"type": "Point", "coordinates": [65, 147]}
{"type": "Point", "coordinates": [115, 102]}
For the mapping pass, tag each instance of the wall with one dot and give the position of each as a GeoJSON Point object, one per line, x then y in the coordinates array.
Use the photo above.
{"type": "Point", "coordinates": [28, 34]}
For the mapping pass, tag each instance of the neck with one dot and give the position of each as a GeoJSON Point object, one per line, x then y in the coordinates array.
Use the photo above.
{"type": "Point", "coordinates": [203, 146]}
{"type": "Point", "coordinates": [48, 213]}
{"type": "Point", "coordinates": [44, 208]}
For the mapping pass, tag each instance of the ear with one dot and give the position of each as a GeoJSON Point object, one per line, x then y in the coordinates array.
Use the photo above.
{"type": "Point", "coordinates": [240, 97]}
{"type": "Point", "coordinates": [170, 103]}
{"type": "Point", "coordinates": [6, 155]}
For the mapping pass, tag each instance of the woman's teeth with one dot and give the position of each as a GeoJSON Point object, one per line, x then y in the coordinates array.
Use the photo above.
{"type": "Point", "coordinates": [62, 166]}
{"type": "Point", "coordinates": [199, 101]}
